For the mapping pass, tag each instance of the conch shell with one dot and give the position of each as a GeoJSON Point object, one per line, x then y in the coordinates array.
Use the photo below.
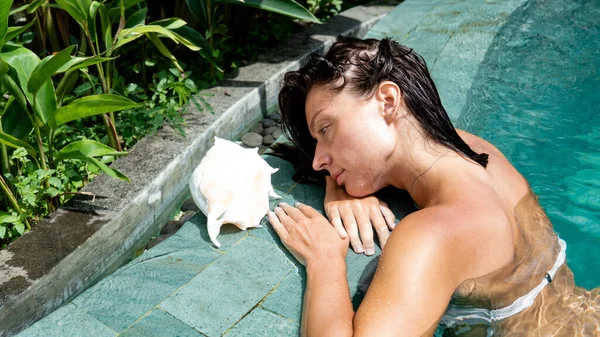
{"type": "Point", "coordinates": [232, 185]}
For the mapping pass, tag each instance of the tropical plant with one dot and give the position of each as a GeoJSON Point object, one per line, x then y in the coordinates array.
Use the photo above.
{"type": "Point", "coordinates": [212, 21]}
{"type": "Point", "coordinates": [32, 116]}
{"type": "Point", "coordinates": [102, 41]}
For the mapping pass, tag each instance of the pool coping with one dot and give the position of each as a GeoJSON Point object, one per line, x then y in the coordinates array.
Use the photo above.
{"type": "Point", "coordinates": [59, 258]}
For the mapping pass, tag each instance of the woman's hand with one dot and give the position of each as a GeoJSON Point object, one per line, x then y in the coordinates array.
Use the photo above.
{"type": "Point", "coordinates": [351, 216]}
{"type": "Point", "coordinates": [307, 234]}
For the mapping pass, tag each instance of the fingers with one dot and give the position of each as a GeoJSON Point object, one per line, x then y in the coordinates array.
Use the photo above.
{"type": "Point", "coordinates": [277, 225]}
{"type": "Point", "coordinates": [283, 218]}
{"type": "Point", "coordinates": [336, 221]}
{"type": "Point", "coordinates": [388, 215]}
{"type": "Point", "coordinates": [294, 213]}
{"type": "Point", "coordinates": [352, 229]}
{"type": "Point", "coordinates": [381, 228]}
{"type": "Point", "coordinates": [366, 232]}
{"type": "Point", "coordinates": [307, 210]}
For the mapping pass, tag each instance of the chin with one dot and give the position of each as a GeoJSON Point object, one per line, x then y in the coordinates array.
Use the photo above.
{"type": "Point", "coordinates": [358, 191]}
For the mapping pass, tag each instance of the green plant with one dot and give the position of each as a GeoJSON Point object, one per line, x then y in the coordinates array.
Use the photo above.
{"type": "Point", "coordinates": [102, 41]}
{"type": "Point", "coordinates": [30, 120]}
{"type": "Point", "coordinates": [170, 91]}
{"type": "Point", "coordinates": [212, 20]}
{"type": "Point", "coordinates": [324, 8]}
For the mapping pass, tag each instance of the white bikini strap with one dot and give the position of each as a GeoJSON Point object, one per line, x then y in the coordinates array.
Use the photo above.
{"type": "Point", "coordinates": [458, 314]}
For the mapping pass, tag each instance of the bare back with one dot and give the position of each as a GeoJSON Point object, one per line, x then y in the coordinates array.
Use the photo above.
{"type": "Point", "coordinates": [561, 309]}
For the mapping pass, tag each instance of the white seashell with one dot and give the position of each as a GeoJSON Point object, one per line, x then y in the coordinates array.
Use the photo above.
{"type": "Point", "coordinates": [232, 185]}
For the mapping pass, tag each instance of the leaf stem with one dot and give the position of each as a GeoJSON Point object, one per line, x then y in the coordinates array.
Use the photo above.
{"type": "Point", "coordinates": [12, 199]}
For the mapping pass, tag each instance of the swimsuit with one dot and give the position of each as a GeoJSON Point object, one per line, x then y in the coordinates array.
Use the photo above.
{"type": "Point", "coordinates": [456, 314]}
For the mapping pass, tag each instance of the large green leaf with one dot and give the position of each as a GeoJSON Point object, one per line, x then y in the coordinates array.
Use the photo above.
{"type": "Point", "coordinates": [3, 68]}
{"type": "Point", "coordinates": [14, 90]}
{"type": "Point", "coordinates": [90, 106]}
{"type": "Point", "coordinates": [11, 141]}
{"type": "Point", "coordinates": [285, 7]}
{"type": "Point", "coordinates": [130, 34]}
{"type": "Point", "coordinates": [162, 48]}
{"type": "Point", "coordinates": [74, 9]}
{"type": "Point", "coordinates": [13, 32]}
{"type": "Point", "coordinates": [4, 12]}
{"type": "Point", "coordinates": [23, 61]}
{"type": "Point", "coordinates": [91, 20]}
{"type": "Point", "coordinates": [93, 161]}
{"type": "Point", "coordinates": [44, 71]}
{"type": "Point", "coordinates": [82, 62]}
{"type": "Point", "coordinates": [183, 41]}
{"type": "Point", "coordinates": [18, 9]}
{"type": "Point", "coordinates": [87, 148]}
{"type": "Point", "coordinates": [15, 121]}
{"type": "Point", "coordinates": [34, 5]}
{"type": "Point", "coordinates": [137, 19]}
{"type": "Point", "coordinates": [170, 23]}
{"type": "Point", "coordinates": [198, 9]}
{"type": "Point", "coordinates": [197, 39]}
{"type": "Point", "coordinates": [105, 23]}
{"type": "Point", "coordinates": [173, 25]}
{"type": "Point", "coordinates": [115, 9]}
{"type": "Point", "coordinates": [66, 84]}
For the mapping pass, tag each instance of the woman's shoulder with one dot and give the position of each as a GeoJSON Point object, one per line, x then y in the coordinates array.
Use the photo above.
{"type": "Point", "coordinates": [479, 144]}
{"type": "Point", "coordinates": [509, 182]}
{"type": "Point", "coordinates": [474, 235]}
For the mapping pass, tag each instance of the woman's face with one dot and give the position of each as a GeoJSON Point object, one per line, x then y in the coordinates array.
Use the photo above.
{"type": "Point", "coordinates": [354, 139]}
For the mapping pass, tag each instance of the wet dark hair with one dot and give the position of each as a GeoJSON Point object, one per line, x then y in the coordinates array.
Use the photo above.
{"type": "Point", "coordinates": [361, 65]}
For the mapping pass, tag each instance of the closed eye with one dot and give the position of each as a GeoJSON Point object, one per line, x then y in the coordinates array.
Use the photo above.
{"type": "Point", "coordinates": [323, 130]}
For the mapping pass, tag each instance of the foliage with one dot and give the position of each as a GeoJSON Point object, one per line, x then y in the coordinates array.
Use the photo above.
{"type": "Point", "coordinates": [131, 18]}
{"type": "Point", "coordinates": [31, 165]}
{"type": "Point", "coordinates": [58, 101]}
{"type": "Point", "coordinates": [326, 8]}
{"type": "Point", "coordinates": [170, 91]}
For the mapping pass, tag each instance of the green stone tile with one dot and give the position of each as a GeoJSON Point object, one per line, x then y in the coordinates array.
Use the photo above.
{"type": "Point", "coordinates": [68, 321]}
{"type": "Point", "coordinates": [123, 297]}
{"type": "Point", "coordinates": [286, 300]}
{"type": "Point", "coordinates": [282, 179]}
{"type": "Point", "coordinates": [230, 234]}
{"type": "Point", "coordinates": [266, 230]}
{"type": "Point", "coordinates": [261, 323]}
{"type": "Point", "coordinates": [468, 45]}
{"type": "Point", "coordinates": [159, 324]}
{"type": "Point", "coordinates": [401, 21]}
{"type": "Point", "coordinates": [311, 195]}
{"type": "Point", "coordinates": [230, 287]}
{"type": "Point", "coordinates": [427, 44]}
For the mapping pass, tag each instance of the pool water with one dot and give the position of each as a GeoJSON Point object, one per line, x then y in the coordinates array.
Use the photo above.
{"type": "Point", "coordinates": [537, 98]}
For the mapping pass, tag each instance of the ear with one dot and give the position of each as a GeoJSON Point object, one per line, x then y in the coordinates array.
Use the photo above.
{"type": "Point", "coordinates": [389, 96]}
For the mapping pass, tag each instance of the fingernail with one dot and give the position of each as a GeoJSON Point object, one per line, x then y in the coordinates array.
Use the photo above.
{"type": "Point", "coordinates": [283, 204]}
{"type": "Point", "coordinates": [277, 209]}
{"type": "Point", "coordinates": [359, 250]}
{"type": "Point", "coordinates": [370, 252]}
{"type": "Point", "coordinates": [297, 204]}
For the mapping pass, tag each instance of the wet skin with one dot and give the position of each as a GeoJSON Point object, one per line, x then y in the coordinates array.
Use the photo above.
{"type": "Point", "coordinates": [479, 238]}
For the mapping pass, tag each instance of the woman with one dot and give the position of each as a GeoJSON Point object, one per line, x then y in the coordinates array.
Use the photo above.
{"type": "Point", "coordinates": [369, 113]}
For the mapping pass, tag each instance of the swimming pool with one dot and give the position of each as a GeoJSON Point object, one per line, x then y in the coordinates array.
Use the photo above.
{"type": "Point", "coordinates": [536, 96]}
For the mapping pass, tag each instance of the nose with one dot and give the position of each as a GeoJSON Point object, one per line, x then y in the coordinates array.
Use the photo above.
{"type": "Point", "coordinates": [321, 159]}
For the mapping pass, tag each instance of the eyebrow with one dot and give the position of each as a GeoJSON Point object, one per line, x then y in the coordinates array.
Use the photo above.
{"type": "Point", "coordinates": [312, 121]}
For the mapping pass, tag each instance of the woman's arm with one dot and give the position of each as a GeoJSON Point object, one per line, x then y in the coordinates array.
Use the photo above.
{"type": "Point", "coordinates": [327, 310]}
{"type": "Point", "coordinates": [412, 286]}
{"type": "Point", "coordinates": [358, 217]}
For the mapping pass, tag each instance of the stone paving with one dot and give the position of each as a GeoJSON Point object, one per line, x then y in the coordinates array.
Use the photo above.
{"type": "Point", "coordinates": [252, 286]}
